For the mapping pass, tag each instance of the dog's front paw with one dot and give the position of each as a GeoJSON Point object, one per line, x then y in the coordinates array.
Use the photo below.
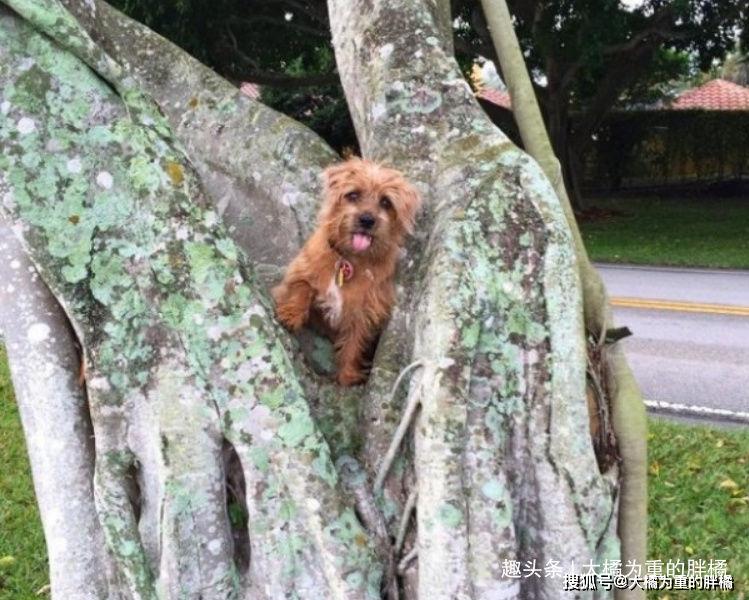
{"type": "Point", "coordinates": [292, 319]}
{"type": "Point", "coordinates": [349, 377]}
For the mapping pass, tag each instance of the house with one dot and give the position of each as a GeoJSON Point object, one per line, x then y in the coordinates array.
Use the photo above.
{"type": "Point", "coordinates": [716, 95]}
{"type": "Point", "coordinates": [698, 140]}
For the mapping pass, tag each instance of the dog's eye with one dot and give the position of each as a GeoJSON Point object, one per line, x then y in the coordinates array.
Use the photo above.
{"type": "Point", "coordinates": [386, 203]}
{"type": "Point", "coordinates": [352, 196]}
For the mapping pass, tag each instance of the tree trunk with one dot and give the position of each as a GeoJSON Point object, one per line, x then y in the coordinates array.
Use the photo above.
{"type": "Point", "coordinates": [184, 358]}
{"type": "Point", "coordinates": [496, 300]}
{"type": "Point", "coordinates": [622, 405]}
{"type": "Point", "coordinates": [180, 346]}
{"type": "Point", "coordinates": [559, 120]}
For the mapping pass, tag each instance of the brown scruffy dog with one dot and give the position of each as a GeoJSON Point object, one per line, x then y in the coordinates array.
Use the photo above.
{"type": "Point", "coordinates": [342, 279]}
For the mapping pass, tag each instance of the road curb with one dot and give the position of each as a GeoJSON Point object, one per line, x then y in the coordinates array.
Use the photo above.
{"type": "Point", "coordinates": [672, 268]}
{"type": "Point", "coordinates": [697, 412]}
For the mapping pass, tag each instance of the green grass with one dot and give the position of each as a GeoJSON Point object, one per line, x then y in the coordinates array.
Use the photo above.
{"type": "Point", "coordinates": [667, 231]}
{"type": "Point", "coordinates": [699, 479]}
{"type": "Point", "coordinates": [23, 559]}
{"type": "Point", "coordinates": [699, 500]}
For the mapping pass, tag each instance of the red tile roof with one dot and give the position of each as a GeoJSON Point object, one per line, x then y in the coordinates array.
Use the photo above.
{"type": "Point", "coordinates": [717, 94]}
{"type": "Point", "coordinates": [497, 97]}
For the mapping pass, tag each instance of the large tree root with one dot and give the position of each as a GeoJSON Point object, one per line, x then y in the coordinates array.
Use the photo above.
{"type": "Point", "coordinates": [54, 414]}
{"type": "Point", "coordinates": [626, 406]}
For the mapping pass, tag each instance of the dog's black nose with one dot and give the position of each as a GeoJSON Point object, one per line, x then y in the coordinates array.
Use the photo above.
{"type": "Point", "coordinates": [367, 220]}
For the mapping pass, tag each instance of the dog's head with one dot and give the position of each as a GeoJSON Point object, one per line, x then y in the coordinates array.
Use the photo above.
{"type": "Point", "coordinates": [368, 209]}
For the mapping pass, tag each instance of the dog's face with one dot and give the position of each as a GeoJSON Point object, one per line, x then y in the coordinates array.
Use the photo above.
{"type": "Point", "coordinates": [368, 209]}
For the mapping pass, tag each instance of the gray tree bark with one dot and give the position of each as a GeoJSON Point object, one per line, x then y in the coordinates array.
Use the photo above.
{"type": "Point", "coordinates": [54, 414]}
{"type": "Point", "coordinates": [157, 233]}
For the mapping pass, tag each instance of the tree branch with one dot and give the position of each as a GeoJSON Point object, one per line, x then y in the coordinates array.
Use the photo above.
{"type": "Point", "coordinates": [290, 81]}
{"type": "Point", "coordinates": [619, 77]}
{"type": "Point", "coordinates": [654, 32]}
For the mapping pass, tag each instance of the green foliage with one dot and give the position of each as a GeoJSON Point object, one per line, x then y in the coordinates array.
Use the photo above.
{"type": "Point", "coordinates": [574, 44]}
{"type": "Point", "coordinates": [669, 65]}
{"type": "Point", "coordinates": [182, 21]}
{"type": "Point", "coordinates": [272, 43]}
{"type": "Point", "coordinates": [699, 500]}
{"type": "Point", "coordinates": [237, 515]}
{"type": "Point", "coordinates": [321, 108]}
{"type": "Point", "coordinates": [671, 231]}
{"type": "Point", "coordinates": [236, 37]}
{"type": "Point", "coordinates": [595, 54]}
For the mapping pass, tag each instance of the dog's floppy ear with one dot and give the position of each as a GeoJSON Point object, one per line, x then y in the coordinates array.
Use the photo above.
{"type": "Point", "coordinates": [334, 174]}
{"type": "Point", "coordinates": [331, 178]}
{"type": "Point", "coordinates": [408, 205]}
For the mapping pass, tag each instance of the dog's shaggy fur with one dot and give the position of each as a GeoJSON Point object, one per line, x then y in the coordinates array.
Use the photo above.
{"type": "Point", "coordinates": [342, 279]}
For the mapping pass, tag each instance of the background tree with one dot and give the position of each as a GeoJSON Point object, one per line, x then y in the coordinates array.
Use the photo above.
{"type": "Point", "coordinates": [595, 55]}
{"type": "Point", "coordinates": [736, 67]}
{"type": "Point", "coordinates": [282, 45]}
{"type": "Point", "coordinates": [150, 228]}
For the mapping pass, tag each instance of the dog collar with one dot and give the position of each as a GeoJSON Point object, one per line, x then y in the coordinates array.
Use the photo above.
{"type": "Point", "coordinates": [344, 271]}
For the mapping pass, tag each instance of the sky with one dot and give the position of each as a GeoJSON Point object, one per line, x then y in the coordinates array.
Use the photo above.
{"type": "Point", "coordinates": [632, 4]}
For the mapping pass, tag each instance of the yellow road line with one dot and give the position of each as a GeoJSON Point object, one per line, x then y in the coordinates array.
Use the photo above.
{"type": "Point", "coordinates": [675, 305]}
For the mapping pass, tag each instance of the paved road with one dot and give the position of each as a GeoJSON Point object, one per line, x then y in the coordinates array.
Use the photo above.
{"type": "Point", "coordinates": [691, 332]}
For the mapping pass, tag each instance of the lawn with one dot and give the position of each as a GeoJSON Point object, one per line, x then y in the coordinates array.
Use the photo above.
{"type": "Point", "coordinates": [669, 231]}
{"type": "Point", "coordinates": [698, 502]}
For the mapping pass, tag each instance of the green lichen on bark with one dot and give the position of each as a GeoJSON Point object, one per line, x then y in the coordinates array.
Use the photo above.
{"type": "Point", "coordinates": [625, 400]}
{"type": "Point", "coordinates": [259, 167]}
{"type": "Point", "coordinates": [124, 235]}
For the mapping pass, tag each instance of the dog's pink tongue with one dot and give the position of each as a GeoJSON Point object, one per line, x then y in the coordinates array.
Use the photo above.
{"type": "Point", "coordinates": [361, 242]}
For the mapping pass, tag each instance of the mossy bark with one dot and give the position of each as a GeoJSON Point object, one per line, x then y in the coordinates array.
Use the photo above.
{"type": "Point", "coordinates": [115, 176]}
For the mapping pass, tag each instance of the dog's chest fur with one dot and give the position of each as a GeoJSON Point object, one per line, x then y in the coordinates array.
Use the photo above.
{"type": "Point", "coordinates": [330, 304]}
{"type": "Point", "coordinates": [334, 300]}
